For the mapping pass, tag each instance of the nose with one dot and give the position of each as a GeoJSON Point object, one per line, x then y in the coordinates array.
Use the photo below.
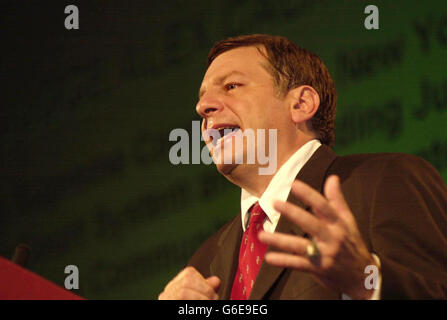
{"type": "Point", "coordinates": [208, 106]}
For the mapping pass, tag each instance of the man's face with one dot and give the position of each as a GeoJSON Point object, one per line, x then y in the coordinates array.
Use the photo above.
{"type": "Point", "coordinates": [238, 92]}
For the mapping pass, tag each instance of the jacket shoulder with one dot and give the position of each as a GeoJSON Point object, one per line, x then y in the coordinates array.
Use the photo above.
{"type": "Point", "coordinates": [387, 163]}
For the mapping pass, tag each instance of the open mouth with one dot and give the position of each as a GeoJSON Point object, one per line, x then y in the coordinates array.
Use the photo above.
{"type": "Point", "coordinates": [223, 133]}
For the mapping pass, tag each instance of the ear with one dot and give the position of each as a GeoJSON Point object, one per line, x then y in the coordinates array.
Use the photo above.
{"type": "Point", "coordinates": [304, 103]}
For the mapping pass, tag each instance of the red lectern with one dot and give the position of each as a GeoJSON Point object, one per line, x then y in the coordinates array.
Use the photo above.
{"type": "Point", "coordinates": [17, 283]}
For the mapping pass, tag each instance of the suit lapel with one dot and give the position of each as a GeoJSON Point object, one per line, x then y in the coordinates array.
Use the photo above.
{"type": "Point", "coordinates": [226, 260]}
{"type": "Point", "coordinates": [313, 173]}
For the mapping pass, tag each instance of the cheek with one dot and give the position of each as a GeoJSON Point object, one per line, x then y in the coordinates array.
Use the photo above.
{"type": "Point", "coordinates": [271, 115]}
{"type": "Point", "coordinates": [257, 109]}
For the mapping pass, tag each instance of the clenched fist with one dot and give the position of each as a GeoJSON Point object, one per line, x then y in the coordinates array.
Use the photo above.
{"type": "Point", "coordinates": [189, 284]}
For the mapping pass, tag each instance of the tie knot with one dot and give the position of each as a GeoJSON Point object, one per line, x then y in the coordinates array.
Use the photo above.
{"type": "Point", "coordinates": [257, 215]}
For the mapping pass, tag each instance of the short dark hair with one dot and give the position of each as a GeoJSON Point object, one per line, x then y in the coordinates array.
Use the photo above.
{"type": "Point", "coordinates": [292, 66]}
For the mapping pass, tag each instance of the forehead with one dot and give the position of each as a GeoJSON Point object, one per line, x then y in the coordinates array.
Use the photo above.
{"type": "Point", "coordinates": [247, 60]}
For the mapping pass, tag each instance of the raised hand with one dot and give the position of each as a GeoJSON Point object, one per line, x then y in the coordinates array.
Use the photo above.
{"type": "Point", "coordinates": [341, 254]}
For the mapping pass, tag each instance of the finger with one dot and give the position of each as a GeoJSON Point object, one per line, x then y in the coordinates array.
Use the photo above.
{"type": "Point", "coordinates": [319, 204]}
{"type": "Point", "coordinates": [214, 282]}
{"type": "Point", "coordinates": [200, 287]}
{"type": "Point", "coordinates": [333, 192]}
{"type": "Point", "coordinates": [285, 260]}
{"type": "Point", "coordinates": [285, 242]}
{"type": "Point", "coordinates": [182, 294]}
{"type": "Point", "coordinates": [306, 221]}
{"type": "Point", "coordinates": [190, 278]}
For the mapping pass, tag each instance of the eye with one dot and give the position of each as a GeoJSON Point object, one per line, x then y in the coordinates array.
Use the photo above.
{"type": "Point", "coordinates": [232, 85]}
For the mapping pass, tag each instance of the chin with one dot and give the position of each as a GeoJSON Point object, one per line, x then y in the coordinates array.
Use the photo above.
{"type": "Point", "coordinates": [226, 169]}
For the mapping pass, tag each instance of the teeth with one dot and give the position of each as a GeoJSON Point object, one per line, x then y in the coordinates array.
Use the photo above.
{"type": "Point", "coordinates": [231, 128]}
{"type": "Point", "coordinates": [222, 133]}
{"type": "Point", "coordinates": [227, 129]}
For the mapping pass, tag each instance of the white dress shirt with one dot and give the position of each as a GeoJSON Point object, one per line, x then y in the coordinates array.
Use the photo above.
{"type": "Point", "coordinates": [279, 189]}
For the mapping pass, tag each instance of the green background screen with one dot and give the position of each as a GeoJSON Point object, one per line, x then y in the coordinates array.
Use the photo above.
{"type": "Point", "coordinates": [86, 115]}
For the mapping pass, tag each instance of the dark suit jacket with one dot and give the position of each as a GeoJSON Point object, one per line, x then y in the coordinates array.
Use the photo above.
{"type": "Point", "coordinates": [400, 205]}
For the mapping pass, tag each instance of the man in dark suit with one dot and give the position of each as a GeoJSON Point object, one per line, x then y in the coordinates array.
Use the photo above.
{"type": "Point", "coordinates": [360, 226]}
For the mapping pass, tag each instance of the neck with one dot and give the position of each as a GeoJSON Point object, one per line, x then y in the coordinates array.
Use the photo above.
{"type": "Point", "coordinates": [256, 185]}
{"type": "Point", "coordinates": [248, 177]}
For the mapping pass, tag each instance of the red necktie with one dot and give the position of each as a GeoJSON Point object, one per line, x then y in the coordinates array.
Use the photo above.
{"type": "Point", "coordinates": [251, 255]}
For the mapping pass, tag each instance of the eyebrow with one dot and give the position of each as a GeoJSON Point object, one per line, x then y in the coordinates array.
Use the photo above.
{"type": "Point", "coordinates": [220, 80]}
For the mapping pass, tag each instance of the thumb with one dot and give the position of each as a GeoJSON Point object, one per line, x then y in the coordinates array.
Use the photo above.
{"type": "Point", "coordinates": [214, 282]}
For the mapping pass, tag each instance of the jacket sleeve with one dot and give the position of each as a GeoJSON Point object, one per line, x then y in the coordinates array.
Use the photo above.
{"type": "Point", "coordinates": [408, 229]}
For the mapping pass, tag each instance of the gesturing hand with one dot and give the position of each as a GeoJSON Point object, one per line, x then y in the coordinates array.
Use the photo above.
{"type": "Point", "coordinates": [343, 255]}
{"type": "Point", "coordinates": [189, 284]}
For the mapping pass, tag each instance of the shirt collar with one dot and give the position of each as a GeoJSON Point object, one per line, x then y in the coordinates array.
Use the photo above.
{"type": "Point", "coordinates": [280, 185]}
